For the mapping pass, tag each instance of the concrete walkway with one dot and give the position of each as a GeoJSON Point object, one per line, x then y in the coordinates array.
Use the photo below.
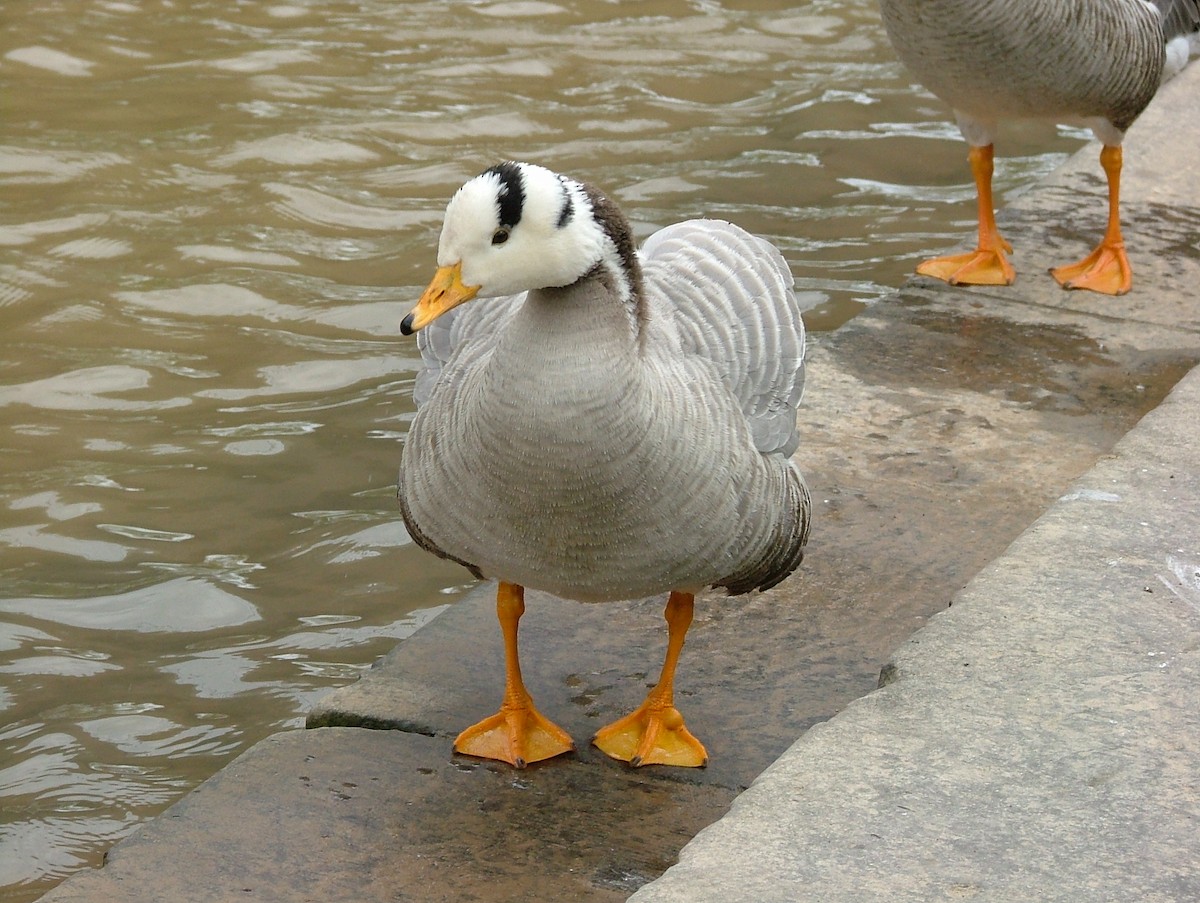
{"type": "Point", "coordinates": [1038, 741]}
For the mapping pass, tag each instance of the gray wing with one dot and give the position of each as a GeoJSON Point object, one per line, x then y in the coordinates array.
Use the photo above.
{"type": "Point", "coordinates": [464, 334]}
{"type": "Point", "coordinates": [734, 305]}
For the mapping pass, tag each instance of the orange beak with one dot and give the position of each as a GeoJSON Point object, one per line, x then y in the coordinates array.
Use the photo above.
{"type": "Point", "coordinates": [445, 291]}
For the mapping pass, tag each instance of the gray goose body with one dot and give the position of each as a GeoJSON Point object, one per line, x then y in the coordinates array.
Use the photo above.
{"type": "Point", "coordinates": [1097, 62]}
{"type": "Point", "coordinates": [625, 434]}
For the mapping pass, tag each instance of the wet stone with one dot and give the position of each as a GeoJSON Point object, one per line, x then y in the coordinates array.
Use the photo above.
{"type": "Point", "coordinates": [351, 815]}
{"type": "Point", "coordinates": [587, 665]}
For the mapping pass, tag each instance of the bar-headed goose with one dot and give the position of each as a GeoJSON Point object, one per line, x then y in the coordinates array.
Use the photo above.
{"type": "Point", "coordinates": [602, 424]}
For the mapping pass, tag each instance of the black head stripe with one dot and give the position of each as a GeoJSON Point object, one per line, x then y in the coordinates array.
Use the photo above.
{"type": "Point", "coordinates": [614, 224]}
{"type": "Point", "coordinates": [568, 207]}
{"type": "Point", "coordinates": [511, 196]}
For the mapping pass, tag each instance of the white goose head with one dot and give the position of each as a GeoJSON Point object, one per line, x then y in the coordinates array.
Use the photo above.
{"type": "Point", "coordinates": [518, 227]}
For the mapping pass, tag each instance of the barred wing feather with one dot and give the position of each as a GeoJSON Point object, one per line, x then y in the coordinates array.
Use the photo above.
{"type": "Point", "coordinates": [734, 306]}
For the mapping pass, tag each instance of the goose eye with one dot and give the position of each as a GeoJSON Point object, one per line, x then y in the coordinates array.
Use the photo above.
{"type": "Point", "coordinates": [500, 236]}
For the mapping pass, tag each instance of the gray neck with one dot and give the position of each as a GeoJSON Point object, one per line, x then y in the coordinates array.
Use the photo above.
{"type": "Point", "coordinates": [566, 332]}
{"type": "Point", "coordinates": [566, 361]}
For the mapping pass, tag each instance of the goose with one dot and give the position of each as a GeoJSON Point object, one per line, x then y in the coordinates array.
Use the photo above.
{"type": "Point", "coordinates": [602, 424]}
{"type": "Point", "coordinates": [1093, 62]}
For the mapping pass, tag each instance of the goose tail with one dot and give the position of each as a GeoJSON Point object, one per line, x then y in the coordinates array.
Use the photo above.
{"type": "Point", "coordinates": [1181, 28]}
{"type": "Point", "coordinates": [785, 550]}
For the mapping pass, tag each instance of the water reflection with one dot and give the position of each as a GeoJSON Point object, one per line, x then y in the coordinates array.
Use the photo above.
{"type": "Point", "coordinates": [213, 217]}
{"type": "Point", "coordinates": [182, 605]}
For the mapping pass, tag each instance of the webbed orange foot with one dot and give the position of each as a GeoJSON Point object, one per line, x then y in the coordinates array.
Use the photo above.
{"type": "Point", "coordinates": [1105, 270]}
{"type": "Point", "coordinates": [983, 266]}
{"type": "Point", "coordinates": [988, 263]}
{"type": "Point", "coordinates": [654, 734]}
{"type": "Point", "coordinates": [517, 734]}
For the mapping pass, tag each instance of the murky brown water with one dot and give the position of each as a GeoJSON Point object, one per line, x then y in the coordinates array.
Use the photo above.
{"type": "Point", "coordinates": [212, 217]}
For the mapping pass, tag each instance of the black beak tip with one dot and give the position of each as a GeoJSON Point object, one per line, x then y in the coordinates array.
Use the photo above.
{"type": "Point", "coordinates": [406, 327]}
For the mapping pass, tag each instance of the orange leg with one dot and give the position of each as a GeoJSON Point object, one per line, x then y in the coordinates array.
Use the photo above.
{"type": "Point", "coordinates": [1107, 268]}
{"type": "Point", "coordinates": [987, 264]}
{"type": "Point", "coordinates": [518, 734]}
{"type": "Point", "coordinates": [654, 734]}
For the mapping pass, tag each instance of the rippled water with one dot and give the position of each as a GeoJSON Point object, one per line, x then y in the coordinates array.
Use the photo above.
{"type": "Point", "coordinates": [213, 216]}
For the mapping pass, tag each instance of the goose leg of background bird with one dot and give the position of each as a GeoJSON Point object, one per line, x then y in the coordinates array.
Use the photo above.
{"type": "Point", "coordinates": [1107, 268]}
{"type": "Point", "coordinates": [987, 264]}
{"type": "Point", "coordinates": [654, 734]}
{"type": "Point", "coordinates": [518, 734]}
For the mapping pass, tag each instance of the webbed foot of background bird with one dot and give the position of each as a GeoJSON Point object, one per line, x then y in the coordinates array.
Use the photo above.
{"type": "Point", "coordinates": [652, 735]}
{"type": "Point", "coordinates": [983, 266]}
{"type": "Point", "coordinates": [1105, 270]}
{"type": "Point", "coordinates": [516, 735]}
